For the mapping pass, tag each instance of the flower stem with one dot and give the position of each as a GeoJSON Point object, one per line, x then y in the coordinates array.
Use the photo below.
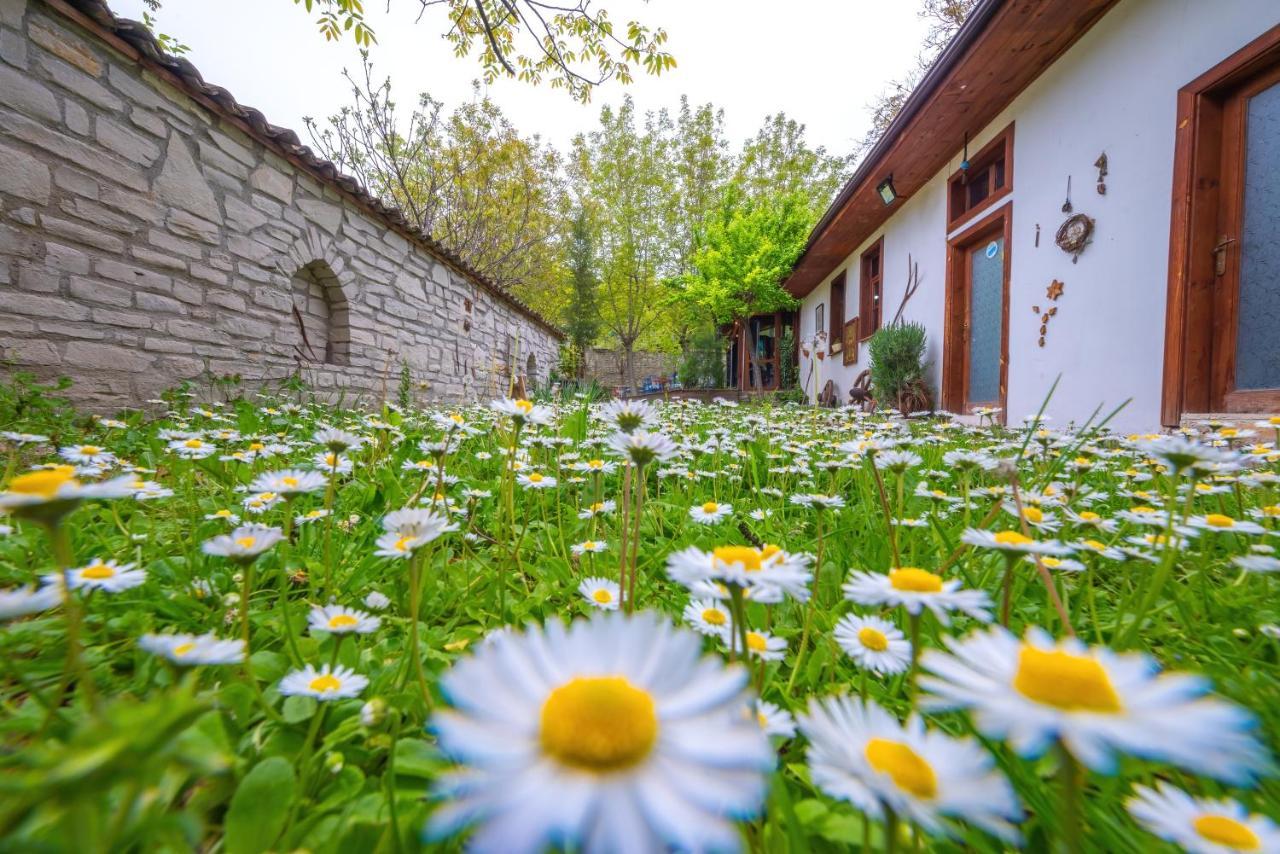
{"type": "Point", "coordinates": [1072, 824]}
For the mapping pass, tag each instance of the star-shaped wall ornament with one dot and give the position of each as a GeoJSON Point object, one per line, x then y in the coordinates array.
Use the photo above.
{"type": "Point", "coordinates": [1055, 290]}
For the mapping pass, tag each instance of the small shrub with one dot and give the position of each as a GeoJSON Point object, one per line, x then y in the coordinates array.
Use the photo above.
{"type": "Point", "coordinates": [898, 367]}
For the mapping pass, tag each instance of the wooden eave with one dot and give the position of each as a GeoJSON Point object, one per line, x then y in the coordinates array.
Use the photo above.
{"type": "Point", "coordinates": [1002, 48]}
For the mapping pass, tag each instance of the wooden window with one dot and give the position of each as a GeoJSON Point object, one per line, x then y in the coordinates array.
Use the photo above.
{"type": "Point", "coordinates": [870, 292]}
{"type": "Point", "coordinates": [988, 179]}
{"type": "Point", "coordinates": [836, 332]}
{"type": "Point", "coordinates": [819, 321]}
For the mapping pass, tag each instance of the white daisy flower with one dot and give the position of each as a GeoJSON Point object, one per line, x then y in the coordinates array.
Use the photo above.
{"type": "Point", "coordinates": [1062, 564]}
{"type": "Point", "coordinates": [289, 482]}
{"type": "Point", "coordinates": [710, 513]}
{"type": "Point", "coordinates": [1180, 454]}
{"type": "Point", "coordinates": [336, 440]}
{"type": "Point", "coordinates": [874, 643]}
{"type": "Point", "coordinates": [818, 501]}
{"type": "Point", "coordinates": [762, 645]}
{"type": "Point", "coordinates": [1201, 825]}
{"type": "Point", "coordinates": [896, 462]}
{"type": "Point", "coordinates": [21, 601]}
{"type": "Point", "coordinates": [627, 416]}
{"type": "Point", "coordinates": [595, 466]}
{"type": "Point", "coordinates": [1097, 702]}
{"type": "Point", "coordinates": [708, 617]}
{"type": "Point", "coordinates": [916, 589]}
{"type": "Point", "coordinates": [609, 735]}
{"type": "Point", "coordinates": [522, 412]}
{"type": "Point", "coordinates": [534, 480]}
{"type": "Point", "coordinates": [1223, 524]}
{"type": "Point", "coordinates": [600, 593]}
{"type": "Point", "coordinates": [775, 720]}
{"type": "Point", "coordinates": [599, 508]}
{"type": "Point", "coordinates": [314, 515]}
{"type": "Point", "coordinates": [330, 463]}
{"type": "Point", "coordinates": [860, 753]}
{"type": "Point", "coordinates": [194, 448]}
{"type": "Point", "coordinates": [588, 547]}
{"type": "Point", "coordinates": [642, 448]}
{"type": "Point", "coordinates": [339, 620]}
{"type": "Point", "coordinates": [261, 502]}
{"type": "Point", "coordinates": [323, 684]}
{"type": "Point", "coordinates": [768, 573]}
{"type": "Point", "coordinates": [1012, 541]}
{"type": "Point", "coordinates": [48, 494]}
{"type": "Point", "coordinates": [1257, 563]}
{"type": "Point", "coordinates": [87, 455]}
{"type": "Point", "coordinates": [108, 576]}
{"type": "Point", "coordinates": [409, 528]}
{"type": "Point", "coordinates": [191, 650]}
{"type": "Point", "coordinates": [377, 601]}
{"type": "Point", "coordinates": [244, 543]}
{"type": "Point", "coordinates": [760, 515]}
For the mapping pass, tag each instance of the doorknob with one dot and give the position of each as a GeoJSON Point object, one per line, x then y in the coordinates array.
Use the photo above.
{"type": "Point", "coordinates": [1220, 255]}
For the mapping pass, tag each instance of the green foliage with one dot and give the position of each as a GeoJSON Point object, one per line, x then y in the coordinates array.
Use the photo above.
{"type": "Point", "coordinates": [703, 363]}
{"type": "Point", "coordinates": [583, 320]}
{"type": "Point", "coordinates": [404, 393]}
{"type": "Point", "coordinates": [569, 362]}
{"type": "Point", "coordinates": [898, 366]}
{"type": "Point", "coordinates": [744, 250]}
{"type": "Point", "coordinates": [789, 372]}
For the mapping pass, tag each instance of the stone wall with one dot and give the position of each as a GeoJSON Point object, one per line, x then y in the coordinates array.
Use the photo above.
{"type": "Point", "coordinates": [147, 237]}
{"type": "Point", "coordinates": [605, 366]}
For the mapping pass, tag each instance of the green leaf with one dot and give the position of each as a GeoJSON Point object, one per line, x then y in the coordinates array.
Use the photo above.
{"type": "Point", "coordinates": [260, 807]}
{"type": "Point", "coordinates": [298, 708]}
{"type": "Point", "coordinates": [417, 758]}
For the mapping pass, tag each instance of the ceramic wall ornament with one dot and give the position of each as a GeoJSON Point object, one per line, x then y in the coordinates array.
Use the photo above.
{"type": "Point", "coordinates": [1101, 165]}
{"type": "Point", "coordinates": [1074, 235]}
{"type": "Point", "coordinates": [1053, 292]}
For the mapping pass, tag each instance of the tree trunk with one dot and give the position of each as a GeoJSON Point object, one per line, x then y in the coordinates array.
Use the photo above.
{"type": "Point", "coordinates": [628, 366]}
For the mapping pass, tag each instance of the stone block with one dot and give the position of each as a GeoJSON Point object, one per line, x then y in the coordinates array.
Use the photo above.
{"type": "Point", "coordinates": [157, 259]}
{"type": "Point", "coordinates": [38, 279]}
{"type": "Point", "coordinates": [72, 150]}
{"type": "Point", "coordinates": [241, 216]}
{"type": "Point", "coordinates": [29, 351]}
{"type": "Point", "coordinates": [13, 47]}
{"type": "Point", "coordinates": [24, 176]}
{"type": "Point", "coordinates": [91, 290]}
{"type": "Point", "coordinates": [184, 224]}
{"type": "Point", "coordinates": [167, 345]}
{"type": "Point", "coordinates": [211, 155]}
{"type": "Point", "coordinates": [326, 215]}
{"type": "Point", "coordinates": [21, 92]}
{"type": "Point", "coordinates": [188, 293]}
{"type": "Point", "coordinates": [226, 299]}
{"type": "Point", "coordinates": [126, 143]}
{"type": "Point", "coordinates": [57, 329]}
{"type": "Point", "coordinates": [180, 183]}
{"type": "Point", "coordinates": [11, 12]}
{"type": "Point", "coordinates": [76, 182]}
{"type": "Point", "coordinates": [208, 274]}
{"type": "Point", "coordinates": [93, 355]}
{"type": "Point", "coordinates": [79, 83]}
{"type": "Point", "coordinates": [130, 319]}
{"type": "Point", "coordinates": [185, 330]}
{"type": "Point", "coordinates": [97, 215]}
{"type": "Point", "coordinates": [42, 306]}
{"type": "Point", "coordinates": [174, 245]}
{"type": "Point", "coordinates": [76, 118]}
{"type": "Point", "coordinates": [158, 303]}
{"type": "Point", "coordinates": [74, 231]}
{"type": "Point", "coordinates": [272, 182]}
{"type": "Point", "coordinates": [149, 122]}
{"type": "Point", "coordinates": [139, 205]}
{"type": "Point", "coordinates": [65, 46]}
{"type": "Point", "coordinates": [65, 258]}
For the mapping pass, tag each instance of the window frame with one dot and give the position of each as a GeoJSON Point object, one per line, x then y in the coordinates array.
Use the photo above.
{"type": "Point", "coordinates": [838, 307]}
{"type": "Point", "coordinates": [870, 309]}
{"type": "Point", "coordinates": [999, 148]}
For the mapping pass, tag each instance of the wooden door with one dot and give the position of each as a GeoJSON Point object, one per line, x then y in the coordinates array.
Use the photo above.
{"type": "Point", "coordinates": [1245, 366]}
{"type": "Point", "coordinates": [975, 368]}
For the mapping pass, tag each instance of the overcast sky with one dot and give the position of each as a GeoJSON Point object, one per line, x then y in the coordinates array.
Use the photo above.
{"type": "Point", "coordinates": [820, 61]}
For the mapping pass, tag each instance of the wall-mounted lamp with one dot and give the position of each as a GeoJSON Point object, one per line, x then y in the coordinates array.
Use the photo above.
{"type": "Point", "coordinates": [885, 190]}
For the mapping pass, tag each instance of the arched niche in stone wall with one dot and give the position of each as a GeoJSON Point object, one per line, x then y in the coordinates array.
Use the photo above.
{"type": "Point", "coordinates": [321, 293]}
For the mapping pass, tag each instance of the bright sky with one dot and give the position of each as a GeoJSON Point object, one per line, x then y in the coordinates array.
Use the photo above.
{"type": "Point", "coordinates": [820, 61]}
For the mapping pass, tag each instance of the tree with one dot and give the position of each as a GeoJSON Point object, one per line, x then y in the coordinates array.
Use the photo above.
{"type": "Point", "coordinates": [584, 311]}
{"type": "Point", "coordinates": [945, 18]}
{"type": "Point", "coordinates": [621, 178]}
{"type": "Point", "coordinates": [467, 178]}
{"type": "Point", "coordinates": [574, 46]}
{"type": "Point", "coordinates": [778, 160]}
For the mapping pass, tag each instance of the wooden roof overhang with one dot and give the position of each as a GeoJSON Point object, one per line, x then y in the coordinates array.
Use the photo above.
{"type": "Point", "coordinates": [1003, 46]}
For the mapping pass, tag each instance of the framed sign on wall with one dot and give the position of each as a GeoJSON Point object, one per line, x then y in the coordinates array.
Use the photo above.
{"type": "Point", "coordinates": [851, 341]}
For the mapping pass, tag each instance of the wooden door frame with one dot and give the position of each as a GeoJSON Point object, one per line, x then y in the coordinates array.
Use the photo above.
{"type": "Point", "coordinates": [1190, 370]}
{"type": "Point", "coordinates": [955, 348]}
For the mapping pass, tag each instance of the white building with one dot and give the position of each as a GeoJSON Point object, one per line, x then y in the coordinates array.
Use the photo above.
{"type": "Point", "coordinates": [1174, 300]}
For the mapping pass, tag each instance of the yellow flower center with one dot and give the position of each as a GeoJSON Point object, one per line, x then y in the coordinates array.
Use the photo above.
{"type": "Point", "coordinates": [1227, 832]}
{"type": "Point", "coordinates": [246, 542]}
{"type": "Point", "coordinates": [342, 621]}
{"type": "Point", "coordinates": [289, 481]}
{"type": "Point", "coordinates": [223, 513]}
{"type": "Point", "coordinates": [402, 544]}
{"type": "Point", "coordinates": [1051, 562]}
{"type": "Point", "coordinates": [193, 443]}
{"type": "Point", "coordinates": [44, 484]}
{"type": "Point", "coordinates": [535, 478]}
{"type": "Point", "coordinates": [1217, 520]}
{"type": "Point", "coordinates": [1143, 509]}
{"type": "Point", "coordinates": [604, 597]}
{"type": "Point", "coordinates": [908, 769]}
{"type": "Point", "coordinates": [1083, 461]}
{"type": "Point", "coordinates": [267, 496]}
{"type": "Point", "coordinates": [596, 464]}
{"type": "Point", "coordinates": [256, 446]}
{"type": "Point", "coordinates": [745, 555]}
{"type": "Point", "coordinates": [1033, 514]}
{"type": "Point", "coordinates": [1228, 432]}
{"type": "Point", "coordinates": [455, 418]}
{"type": "Point", "coordinates": [710, 507]}
{"type": "Point", "coordinates": [1271, 510]}
{"type": "Point", "coordinates": [714, 616]}
{"type": "Point", "coordinates": [589, 545]}
{"type": "Point", "coordinates": [599, 723]}
{"type": "Point", "coordinates": [1073, 683]}
{"type": "Point", "coordinates": [873, 639]}
{"type": "Point", "coordinates": [98, 572]}
{"type": "Point", "coordinates": [1089, 516]}
{"type": "Point", "coordinates": [524, 406]}
{"type": "Point", "coordinates": [183, 648]}
{"type": "Point", "coordinates": [597, 507]}
{"type": "Point", "coordinates": [90, 450]}
{"type": "Point", "coordinates": [325, 683]}
{"type": "Point", "coordinates": [1012, 538]}
{"type": "Point", "coordinates": [915, 580]}
{"type": "Point", "coordinates": [1095, 545]}
{"type": "Point", "coordinates": [756, 642]}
